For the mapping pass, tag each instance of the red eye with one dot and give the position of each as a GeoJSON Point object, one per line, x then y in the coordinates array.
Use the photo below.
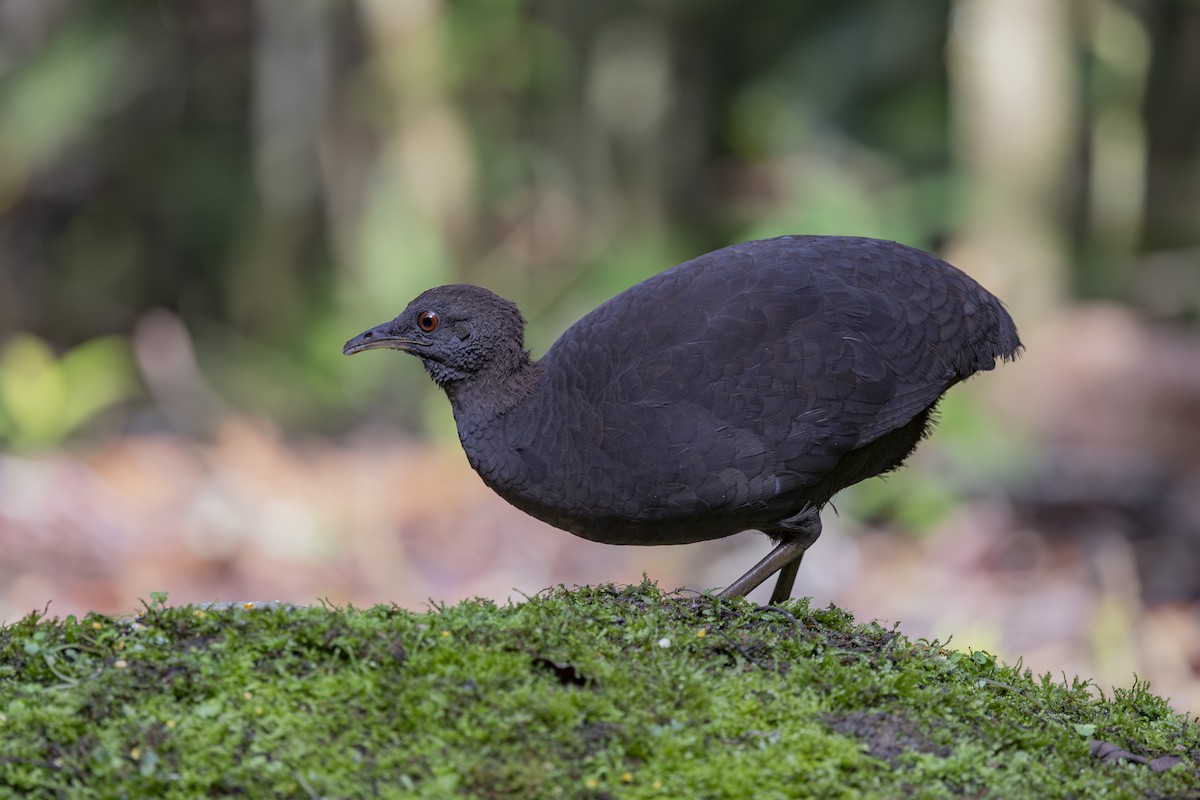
{"type": "Point", "coordinates": [428, 321]}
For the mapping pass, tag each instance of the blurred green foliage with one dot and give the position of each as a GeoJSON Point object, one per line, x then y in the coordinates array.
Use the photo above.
{"type": "Point", "coordinates": [44, 398]}
{"type": "Point", "coordinates": [56, 97]}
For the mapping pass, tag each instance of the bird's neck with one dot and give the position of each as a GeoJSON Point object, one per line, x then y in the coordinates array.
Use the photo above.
{"type": "Point", "coordinates": [496, 415]}
{"type": "Point", "coordinates": [494, 392]}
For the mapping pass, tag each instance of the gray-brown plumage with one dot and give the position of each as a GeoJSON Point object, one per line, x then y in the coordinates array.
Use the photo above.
{"type": "Point", "coordinates": [740, 390]}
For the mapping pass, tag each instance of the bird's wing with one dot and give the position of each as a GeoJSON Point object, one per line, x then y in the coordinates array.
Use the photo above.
{"type": "Point", "coordinates": [772, 358]}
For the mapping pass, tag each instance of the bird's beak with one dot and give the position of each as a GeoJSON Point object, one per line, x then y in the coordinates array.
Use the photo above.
{"type": "Point", "coordinates": [378, 338]}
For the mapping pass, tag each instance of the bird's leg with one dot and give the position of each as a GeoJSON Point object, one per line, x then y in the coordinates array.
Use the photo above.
{"type": "Point", "coordinates": [778, 560]}
{"type": "Point", "coordinates": [786, 580]}
{"type": "Point", "coordinates": [801, 531]}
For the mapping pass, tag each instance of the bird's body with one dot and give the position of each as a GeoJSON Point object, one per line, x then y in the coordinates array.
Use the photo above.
{"type": "Point", "coordinates": [740, 390]}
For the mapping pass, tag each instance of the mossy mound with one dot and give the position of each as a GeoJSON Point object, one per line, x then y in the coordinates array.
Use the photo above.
{"type": "Point", "coordinates": [595, 693]}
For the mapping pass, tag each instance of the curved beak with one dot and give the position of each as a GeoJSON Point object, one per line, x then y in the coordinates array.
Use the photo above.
{"type": "Point", "coordinates": [378, 338]}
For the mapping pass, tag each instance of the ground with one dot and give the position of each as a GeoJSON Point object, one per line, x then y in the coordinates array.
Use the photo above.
{"type": "Point", "coordinates": [601, 692]}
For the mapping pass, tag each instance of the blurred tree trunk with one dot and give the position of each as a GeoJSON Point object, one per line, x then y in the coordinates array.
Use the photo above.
{"type": "Point", "coordinates": [1172, 118]}
{"type": "Point", "coordinates": [1013, 92]}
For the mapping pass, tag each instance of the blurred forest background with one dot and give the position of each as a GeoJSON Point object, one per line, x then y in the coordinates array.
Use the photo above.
{"type": "Point", "coordinates": [201, 201]}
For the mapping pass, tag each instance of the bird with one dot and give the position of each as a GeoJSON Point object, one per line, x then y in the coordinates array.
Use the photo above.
{"type": "Point", "coordinates": [740, 390]}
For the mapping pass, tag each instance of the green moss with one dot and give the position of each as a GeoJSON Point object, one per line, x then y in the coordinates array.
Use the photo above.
{"type": "Point", "coordinates": [596, 693]}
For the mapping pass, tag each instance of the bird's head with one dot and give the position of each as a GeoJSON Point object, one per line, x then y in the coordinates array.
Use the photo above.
{"type": "Point", "coordinates": [459, 332]}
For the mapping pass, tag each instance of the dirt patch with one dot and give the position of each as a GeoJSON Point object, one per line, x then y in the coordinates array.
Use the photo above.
{"type": "Point", "coordinates": [886, 735]}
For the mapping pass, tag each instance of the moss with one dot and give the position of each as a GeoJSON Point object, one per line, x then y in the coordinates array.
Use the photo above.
{"type": "Point", "coordinates": [595, 693]}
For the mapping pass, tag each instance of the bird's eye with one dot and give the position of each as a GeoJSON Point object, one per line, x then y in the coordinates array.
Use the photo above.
{"type": "Point", "coordinates": [427, 321]}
